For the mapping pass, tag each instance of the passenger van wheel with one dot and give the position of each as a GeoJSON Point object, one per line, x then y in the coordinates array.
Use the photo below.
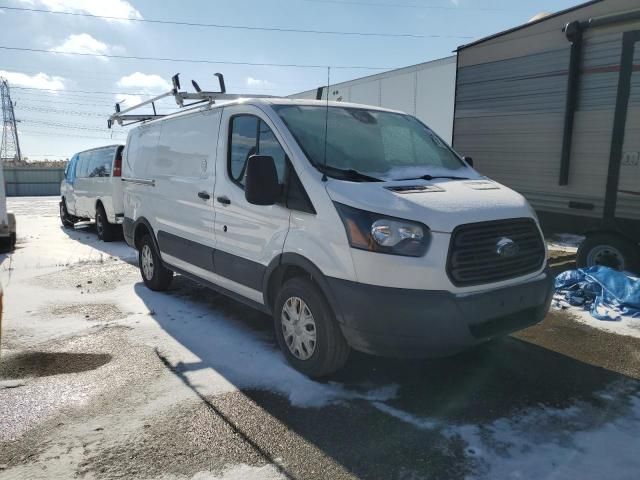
{"type": "Point", "coordinates": [106, 231]}
{"type": "Point", "coordinates": [65, 218]}
{"type": "Point", "coordinates": [609, 250]}
{"type": "Point", "coordinates": [307, 331]}
{"type": "Point", "coordinates": [155, 275]}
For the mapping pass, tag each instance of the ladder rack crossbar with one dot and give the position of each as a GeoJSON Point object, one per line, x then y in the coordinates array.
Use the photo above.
{"type": "Point", "coordinates": [200, 97]}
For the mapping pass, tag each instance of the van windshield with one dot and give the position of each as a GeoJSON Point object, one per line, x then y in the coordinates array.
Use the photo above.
{"type": "Point", "coordinates": [380, 145]}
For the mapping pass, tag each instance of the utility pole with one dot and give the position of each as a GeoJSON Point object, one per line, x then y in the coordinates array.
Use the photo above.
{"type": "Point", "coordinates": [10, 147]}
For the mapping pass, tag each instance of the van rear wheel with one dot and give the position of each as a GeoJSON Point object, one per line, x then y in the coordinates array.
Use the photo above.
{"type": "Point", "coordinates": [106, 231]}
{"type": "Point", "coordinates": [65, 218]}
{"type": "Point", "coordinates": [154, 274]}
{"type": "Point", "coordinates": [307, 331]}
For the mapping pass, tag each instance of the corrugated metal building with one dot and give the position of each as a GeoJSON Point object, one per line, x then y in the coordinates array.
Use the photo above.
{"type": "Point", "coordinates": [425, 90]}
{"type": "Point", "coordinates": [33, 181]}
{"type": "Point", "coordinates": [552, 109]}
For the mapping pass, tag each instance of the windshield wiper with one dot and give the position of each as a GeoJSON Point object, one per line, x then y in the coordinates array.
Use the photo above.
{"type": "Point", "coordinates": [347, 174]}
{"type": "Point", "coordinates": [432, 177]}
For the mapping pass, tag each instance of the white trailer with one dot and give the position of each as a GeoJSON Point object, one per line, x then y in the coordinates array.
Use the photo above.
{"type": "Point", "coordinates": [426, 90]}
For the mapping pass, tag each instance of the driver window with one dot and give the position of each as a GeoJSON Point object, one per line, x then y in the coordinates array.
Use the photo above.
{"type": "Point", "coordinates": [251, 136]}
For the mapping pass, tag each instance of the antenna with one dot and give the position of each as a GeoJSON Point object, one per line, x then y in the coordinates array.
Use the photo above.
{"type": "Point", "coordinates": [326, 124]}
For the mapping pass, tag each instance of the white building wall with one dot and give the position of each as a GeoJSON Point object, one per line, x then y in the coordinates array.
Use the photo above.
{"type": "Point", "coordinates": [426, 90]}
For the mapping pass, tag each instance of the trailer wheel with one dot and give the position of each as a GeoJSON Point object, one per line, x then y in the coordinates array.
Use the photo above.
{"type": "Point", "coordinates": [609, 250]}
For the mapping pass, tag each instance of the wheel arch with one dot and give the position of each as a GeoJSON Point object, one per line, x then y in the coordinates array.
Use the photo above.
{"type": "Point", "coordinates": [289, 265]}
{"type": "Point", "coordinates": [142, 227]}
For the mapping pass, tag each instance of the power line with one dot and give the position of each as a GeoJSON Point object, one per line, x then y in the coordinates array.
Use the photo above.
{"type": "Point", "coordinates": [83, 91]}
{"type": "Point", "coordinates": [56, 134]}
{"type": "Point", "coordinates": [194, 60]}
{"type": "Point", "coordinates": [72, 75]}
{"type": "Point", "coordinates": [413, 5]}
{"type": "Point", "coordinates": [237, 27]}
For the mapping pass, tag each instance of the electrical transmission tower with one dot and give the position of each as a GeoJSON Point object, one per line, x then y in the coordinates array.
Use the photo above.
{"type": "Point", "coordinates": [10, 147]}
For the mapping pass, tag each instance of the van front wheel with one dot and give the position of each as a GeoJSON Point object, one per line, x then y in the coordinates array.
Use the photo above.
{"type": "Point", "coordinates": [307, 331]}
{"type": "Point", "coordinates": [155, 275]}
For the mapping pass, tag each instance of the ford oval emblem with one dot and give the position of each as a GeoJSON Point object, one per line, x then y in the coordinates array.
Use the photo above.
{"type": "Point", "coordinates": [507, 248]}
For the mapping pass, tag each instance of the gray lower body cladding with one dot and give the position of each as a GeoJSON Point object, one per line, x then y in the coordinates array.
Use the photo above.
{"type": "Point", "coordinates": [416, 323]}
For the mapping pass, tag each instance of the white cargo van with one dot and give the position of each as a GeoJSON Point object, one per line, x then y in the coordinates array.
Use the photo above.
{"type": "Point", "coordinates": [92, 190]}
{"type": "Point", "coordinates": [354, 226]}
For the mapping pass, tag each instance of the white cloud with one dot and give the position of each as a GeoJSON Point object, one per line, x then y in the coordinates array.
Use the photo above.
{"type": "Point", "coordinates": [111, 8]}
{"type": "Point", "coordinates": [82, 43]}
{"type": "Point", "coordinates": [258, 83]}
{"type": "Point", "coordinates": [147, 83]}
{"type": "Point", "coordinates": [455, 2]}
{"type": "Point", "coordinates": [39, 80]}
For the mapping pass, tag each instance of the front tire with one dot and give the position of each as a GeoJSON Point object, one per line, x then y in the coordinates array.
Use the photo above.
{"type": "Point", "coordinates": [307, 331]}
{"type": "Point", "coordinates": [106, 231]}
{"type": "Point", "coordinates": [609, 250]}
{"type": "Point", "coordinates": [154, 274]}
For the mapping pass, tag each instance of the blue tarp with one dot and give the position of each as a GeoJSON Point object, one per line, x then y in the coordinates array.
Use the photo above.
{"type": "Point", "coordinates": [606, 293]}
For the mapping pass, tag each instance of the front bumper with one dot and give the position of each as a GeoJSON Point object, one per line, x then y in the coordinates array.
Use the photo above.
{"type": "Point", "coordinates": [418, 323]}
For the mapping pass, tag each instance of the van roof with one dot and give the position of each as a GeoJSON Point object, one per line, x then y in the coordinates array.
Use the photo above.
{"type": "Point", "coordinates": [101, 147]}
{"type": "Point", "coordinates": [270, 101]}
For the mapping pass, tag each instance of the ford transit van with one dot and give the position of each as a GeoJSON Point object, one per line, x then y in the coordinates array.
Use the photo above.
{"type": "Point", "coordinates": [354, 227]}
{"type": "Point", "coordinates": [92, 190]}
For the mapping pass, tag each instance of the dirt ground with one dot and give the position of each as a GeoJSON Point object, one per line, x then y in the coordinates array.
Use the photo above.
{"type": "Point", "coordinates": [101, 378]}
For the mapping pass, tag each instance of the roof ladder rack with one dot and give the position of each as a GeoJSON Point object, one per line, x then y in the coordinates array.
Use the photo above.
{"type": "Point", "coordinates": [197, 98]}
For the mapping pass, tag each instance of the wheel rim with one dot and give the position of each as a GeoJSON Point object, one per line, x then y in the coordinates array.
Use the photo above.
{"type": "Point", "coordinates": [607, 256]}
{"type": "Point", "coordinates": [146, 261]}
{"type": "Point", "coordinates": [298, 328]}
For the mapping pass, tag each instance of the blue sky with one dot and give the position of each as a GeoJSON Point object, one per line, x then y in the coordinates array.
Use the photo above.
{"type": "Point", "coordinates": [60, 122]}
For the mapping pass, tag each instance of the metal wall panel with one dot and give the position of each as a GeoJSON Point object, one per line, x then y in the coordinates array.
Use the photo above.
{"type": "Point", "coordinates": [510, 116]}
{"type": "Point", "coordinates": [33, 181]}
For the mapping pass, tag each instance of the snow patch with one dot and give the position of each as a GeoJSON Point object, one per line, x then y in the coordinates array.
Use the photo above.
{"type": "Point", "coordinates": [564, 242]}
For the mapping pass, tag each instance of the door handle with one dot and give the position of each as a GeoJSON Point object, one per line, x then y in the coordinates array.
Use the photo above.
{"type": "Point", "coordinates": [224, 200]}
{"type": "Point", "coordinates": [204, 195]}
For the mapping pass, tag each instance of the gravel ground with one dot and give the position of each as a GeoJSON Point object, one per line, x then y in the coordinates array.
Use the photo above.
{"type": "Point", "coordinates": [102, 379]}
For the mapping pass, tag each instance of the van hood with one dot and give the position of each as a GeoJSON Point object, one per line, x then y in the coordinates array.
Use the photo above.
{"type": "Point", "coordinates": [440, 204]}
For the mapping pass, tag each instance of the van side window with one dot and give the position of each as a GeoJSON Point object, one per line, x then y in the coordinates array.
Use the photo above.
{"type": "Point", "coordinates": [251, 136]}
{"type": "Point", "coordinates": [82, 165]}
{"type": "Point", "coordinates": [100, 164]}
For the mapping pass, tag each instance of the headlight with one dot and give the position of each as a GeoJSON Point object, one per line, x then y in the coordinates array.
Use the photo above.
{"type": "Point", "coordinates": [379, 233]}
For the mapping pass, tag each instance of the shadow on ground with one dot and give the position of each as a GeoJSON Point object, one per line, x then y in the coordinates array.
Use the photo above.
{"type": "Point", "coordinates": [485, 384]}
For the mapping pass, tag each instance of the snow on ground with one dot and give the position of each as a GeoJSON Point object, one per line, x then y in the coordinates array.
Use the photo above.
{"type": "Point", "coordinates": [623, 326]}
{"type": "Point", "coordinates": [547, 443]}
{"type": "Point", "coordinates": [216, 354]}
{"type": "Point", "coordinates": [564, 242]}
{"type": "Point", "coordinates": [233, 358]}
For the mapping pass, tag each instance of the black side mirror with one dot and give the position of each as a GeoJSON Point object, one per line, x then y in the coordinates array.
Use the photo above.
{"type": "Point", "coordinates": [261, 186]}
{"type": "Point", "coordinates": [469, 161]}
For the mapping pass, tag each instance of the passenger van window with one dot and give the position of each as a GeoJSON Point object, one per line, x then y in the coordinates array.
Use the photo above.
{"type": "Point", "coordinates": [83, 165]}
{"type": "Point", "coordinates": [251, 136]}
{"type": "Point", "coordinates": [101, 160]}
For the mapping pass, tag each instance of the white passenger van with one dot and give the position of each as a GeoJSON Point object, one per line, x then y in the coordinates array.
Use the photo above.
{"type": "Point", "coordinates": [353, 226]}
{"type": "Point", "coordinates": [92, 190]}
